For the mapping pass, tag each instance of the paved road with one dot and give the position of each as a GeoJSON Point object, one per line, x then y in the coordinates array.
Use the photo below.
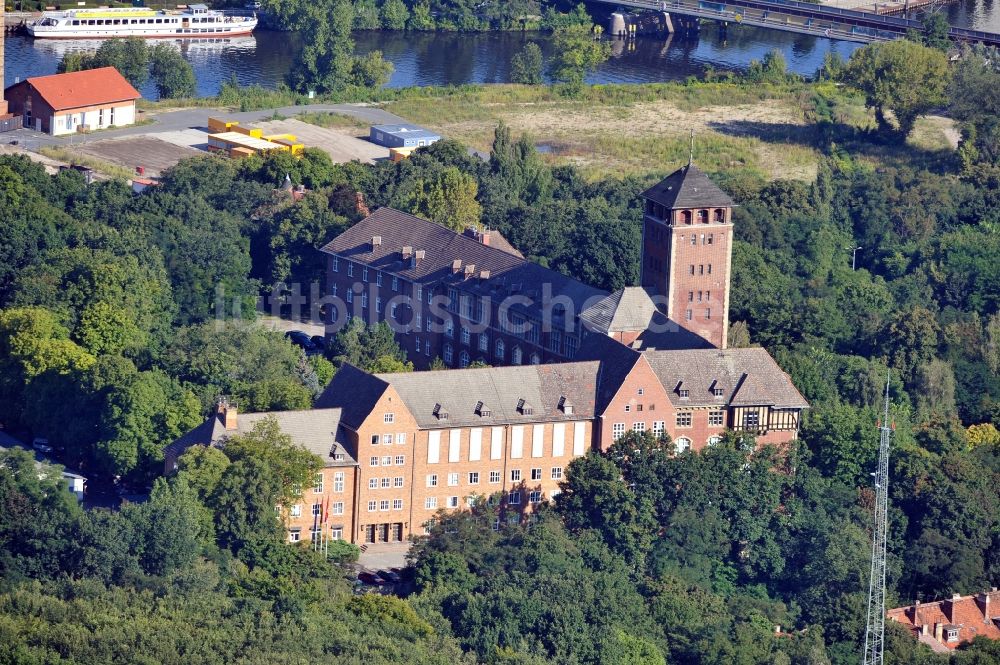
{"type": "Point", "coordinates": [173, 121]}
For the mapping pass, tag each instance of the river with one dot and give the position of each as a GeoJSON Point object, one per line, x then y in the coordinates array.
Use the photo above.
{"type": "Point", "coordinates": [448, 58]}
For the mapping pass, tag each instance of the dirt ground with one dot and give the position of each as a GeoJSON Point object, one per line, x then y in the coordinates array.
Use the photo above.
{"type": "Point", "coordinates": [154, 155]}
{"type": "Point", "coordinates": [343, 144]}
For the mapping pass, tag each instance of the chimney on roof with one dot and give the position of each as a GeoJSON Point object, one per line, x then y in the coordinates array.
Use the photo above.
{"type": "Point", "coordinates": [407, 252]}
{"type": "Point", "coordinates": [470, 270]}
{"type": "Point", "coordinates": [420, 254]}
{"type": "Point", "coordinates": [456, 266]}
{"type": "Point", "coordinates": [482, 236]}
{"type": "Point", "coordinates": [376, 242]}
{"type": "Point", "coordinates": [983, 601]}
{"type": "Point", "coordinates": [948, 606]}
{"type": "Point", "coordinates": [228, 412]}
{"type": "Point", "coordinates": [925, 629]}
{"type": "Point", "coordinates": [939, 632]}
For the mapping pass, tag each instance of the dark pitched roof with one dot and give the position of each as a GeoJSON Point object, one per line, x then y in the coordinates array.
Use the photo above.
{"type": "Point", "coordinates": [509, 274]}
{"type": "Point", "coordinates": [627, 309]}
{"type": "Point", "coordinates": [616, 361]}
{"type": "Point", "coordinates": [316, 430]}
{"type": "Point", "coordinates": [501, 390]}
{"type": "Point", "coordinates": [746, 377]}
{"type": "Point", "coordinates": [354, 392]}
{"type": "Point", "coordinates": [688, 187]}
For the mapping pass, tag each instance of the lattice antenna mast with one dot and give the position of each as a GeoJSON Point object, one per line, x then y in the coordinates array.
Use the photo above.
{"type": "Point", "coordinates": [875, 632]}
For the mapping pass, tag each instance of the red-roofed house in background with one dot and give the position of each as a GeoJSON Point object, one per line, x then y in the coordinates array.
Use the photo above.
{"type": "Point", "coordinates": [945, 624]}
{"type": "Point", "coordinates": [67, 103]}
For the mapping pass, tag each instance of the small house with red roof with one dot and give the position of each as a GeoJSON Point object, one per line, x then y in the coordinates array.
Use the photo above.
{"type": "Point", "coordinates": [74, 101]}
{"type": "Point", "coordinates": [943, 625]}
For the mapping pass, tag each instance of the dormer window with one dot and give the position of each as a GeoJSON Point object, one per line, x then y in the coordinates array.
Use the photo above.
{"type": "Point", "coordinates": [524, 408]}
{"type": "Point", "coordinates": [952, 634]}
{"type": "Point", "coordinates": [716, 389]}
{"type": "Point", "coordinates": [440, 413]}
{"type": "Point", "coordinates": [483, 411]}
{"type": "Point", "coordinates": [684, 393]}
{"type": "Point", "coordinates": [566, 406]}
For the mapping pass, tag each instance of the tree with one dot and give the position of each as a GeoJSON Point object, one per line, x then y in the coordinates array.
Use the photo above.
{"type": "Point", "coordinates": [901, 77]}
{"type": "Point", "coordinates": [172, 74]}
{"type": "Point", "coordinates": [372, 348]}
{"type": "Point", "coordinates": [526, 65]}
{"type": "Point", "coordinates": [449, 198]}
{"type": "Point", "coordinates": [130, 56]}
{"type": "Point", "coordinates": [773, 69]}
{"type": "Point", "coordinates": [244, 502]}
{"type": "Point", "coordinates": [394, 15]}
{"type": "Point", "coordinates": [576, 53]}
{"type": "Point", "coordinates": [201, 467]}
{"type": "Point", "coordinates": [293, 467]}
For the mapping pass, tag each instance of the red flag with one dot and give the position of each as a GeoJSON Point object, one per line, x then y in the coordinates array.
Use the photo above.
{"type": "Point", "coordinates": [326, 509]}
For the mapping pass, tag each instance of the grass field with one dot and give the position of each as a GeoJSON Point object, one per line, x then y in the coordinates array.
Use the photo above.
{"type": "Point", "coordinates": [620, 130]}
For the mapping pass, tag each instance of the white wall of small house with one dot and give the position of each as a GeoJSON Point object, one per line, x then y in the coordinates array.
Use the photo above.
{"type": "Point", "coordinates": [100, 118]}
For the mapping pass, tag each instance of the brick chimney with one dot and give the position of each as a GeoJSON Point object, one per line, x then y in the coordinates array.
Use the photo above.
{"type": "Point", "coordinates": [228, 412]}
{"type": "Point", "coordinates": [376, 242]}
{"type": "Point", "coordinates": [456, 266]}
{"type": "Point", "coordinates": [948, 606]}
{"type": "Point", "coordinates": [407, 252]}
{"type": "Point", "coordinates": [939, 632]}
{"type": "Point", "coordinates": [983, 602]}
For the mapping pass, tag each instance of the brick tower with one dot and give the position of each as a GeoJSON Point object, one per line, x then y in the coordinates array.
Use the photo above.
{"type": "Point", "coordinates": [687, 245]}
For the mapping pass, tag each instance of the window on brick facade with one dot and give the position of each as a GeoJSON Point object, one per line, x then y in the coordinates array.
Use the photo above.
{"type": "Point", "coordinates": [690, 296]}
{"type": "Point", "coordinates": [296, 510]}
{"type": "Point", "coordinates": [349, 296]}
{"type": "Point", "coordinates": [364, 300]}
{"type": "Point", "coordinates": [484, 342]}
{"type": "Point", "coordinates": [397, 504]}
{"type": "Point", "coordinates": [688, 315]}
{"type": "Point", "coordinates": [535, 496]}
{"type": "Point", "coordinates": [364, 274]}
{"type": "Point", "coordinates": [515, 475]}
{"type": "Point", "coordinates": [708, 313]}
{"type": "Point", "coordinates": [387, 439]}
{"type": "Point", "coordinates": [463, 358]}
{"type": "Point", "coordinates": [692, 269]}
{"type": "Point", "coordinates": [514, 498]}
{"type": "Point", "coordinates": [500, 348]}
{"type": "Point", "coordinates": [658, 427]}
{"type": "Point", "coordinates": [337, 507]}
{"type": "Point", "coordinates": [400, 460]}
{"type": "Point", "coordinates": [338, 481]}
{"type": "Point", "coordinates": [682, 444]}
{"type": "Point", "coordinates": [373, 461]}
{"type": "Point", "coordinates": [694, 239]}
{"type": "Point", "coordinates": [714, 440]}
{"type": "Point", "coordinates": [373, 483]}
{"type": "Point", "coordinates": [474, 478]}
{"type": "Point", "coordinates": [515, 355]}
{"type": "Point", "coordinates": [751, 420]}
{"type": "Point", "coordinates": [716, 418]}
{"type": "Point", "coordinates": [466, 335]}
{"type": "Point", "coordinates": [556, 473]}
{"type": "Point", "coordinates": [397, 481]}
{"type": "Point", "coordinates": [617, 431]}
{"type": "Point", "coordinates": [378, 278]}
{"type": "Point", "coordinates": [708, 240]}
{"type": "Point", "coordinates": [536, 474]}
{"type": "Point", "coordinates": [395, 283]}
{"type": "Point", "coordinates": [372, 506]}
{"type": "Point", "coordinates": [335, 264]}
{"type": "Point", "coordinates": [387, 460]}
{"type": "Point", "coordinates": [383, 505]}
{"type": "Point", "coordinates": [432, 480]}
{"type": "Point", "coordinates": [452, 479]}
{"type": "Point", "coordinates": [430, 503]}
{"type": "Point", "coordinates": [386, 483]}
{"type": "Point", "coordinates": [448, 354]}
{"type": "Point", "coordinates": [401, 439]}
{"type": "Point", "coordinates": [684, 419]}
{"type": "Point", "coordinates": [318, 483]}
{"type": "Point", "coordinates": [639, 427]}
{"type": "Point", "coordinates": [350, 269]}
{"type": "Point", "coordinates": [453, 502]}
{"type": "Point", "coordinates": [494, 477]}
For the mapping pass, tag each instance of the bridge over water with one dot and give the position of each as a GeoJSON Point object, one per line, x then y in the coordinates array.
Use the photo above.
{"type": "Point", "coordinates": [802, 17]}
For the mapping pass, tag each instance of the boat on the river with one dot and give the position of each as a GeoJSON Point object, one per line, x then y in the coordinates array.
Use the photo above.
{"type": "Point", "coordinates": [197, 21]}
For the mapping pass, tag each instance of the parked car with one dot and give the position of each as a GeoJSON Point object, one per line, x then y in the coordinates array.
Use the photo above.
{"type": "Point", "coordinates": [319, 341]}
{"type": "Point", "coordinates": [370, 579]}
{"type": "Point", "coordinates": [391, 576]}
{"type": "Point", "coordinates": [41, 445]}
{"type": "Point", "coordinates": [303, 341]}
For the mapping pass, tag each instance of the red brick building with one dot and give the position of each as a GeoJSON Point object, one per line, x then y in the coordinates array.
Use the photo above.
{"type": "Point", "coordinates": [66, 103]}
{"type": "Point", "coordinates": [687, 248]}
{"type": "Point", "coordinates": [945, 624]}
{"type": "Point", "coordinates": [574, 367]}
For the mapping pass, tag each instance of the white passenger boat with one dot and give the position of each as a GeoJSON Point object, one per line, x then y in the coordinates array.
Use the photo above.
{"type": "Point", "coordinates": [197, 21]}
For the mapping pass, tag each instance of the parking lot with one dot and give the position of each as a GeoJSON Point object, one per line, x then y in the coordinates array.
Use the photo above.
{"type": "Point", "coordinates": [342, 144]}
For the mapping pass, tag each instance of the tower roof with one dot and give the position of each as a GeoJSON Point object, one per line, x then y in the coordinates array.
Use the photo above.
{"type": "Point", "coordinates": [688, 187]}
{"type": "Point", "coordinates": [627, 309]}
